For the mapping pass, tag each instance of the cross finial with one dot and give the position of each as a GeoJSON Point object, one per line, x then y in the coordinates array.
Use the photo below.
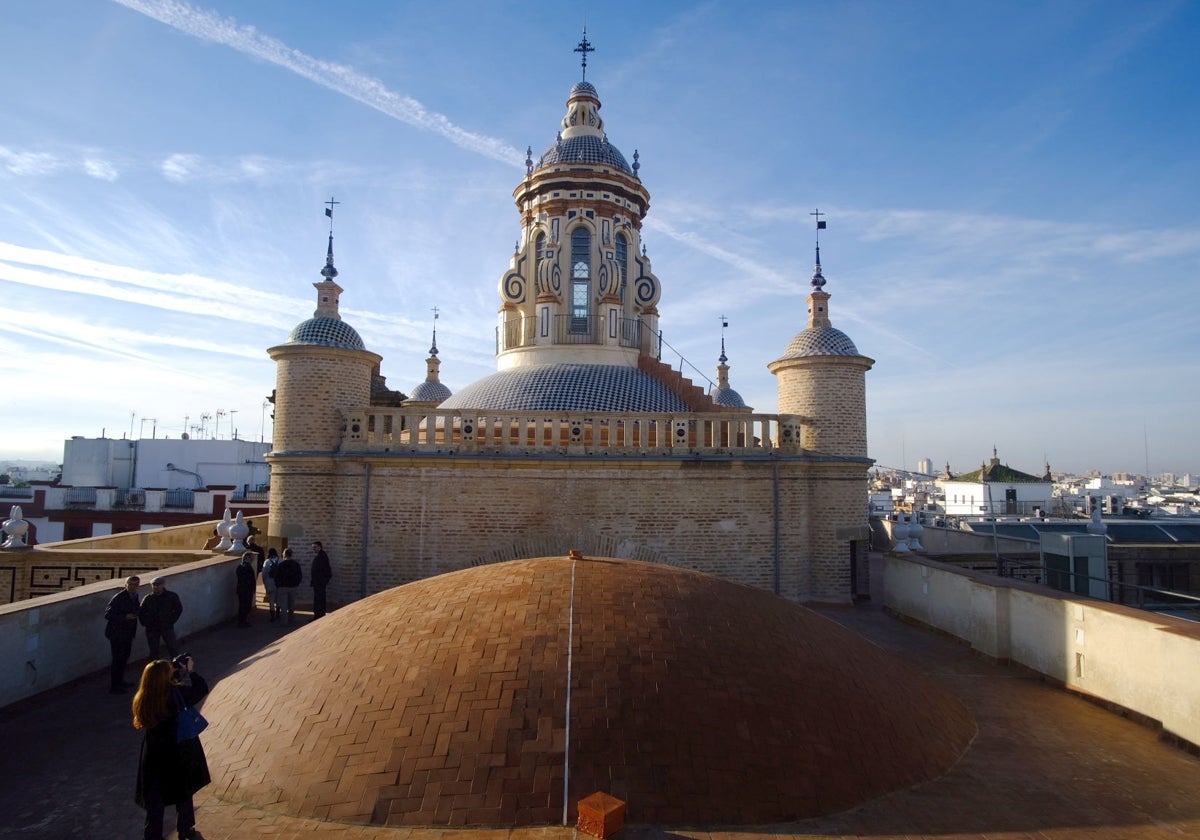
{"type": "Point", "coordinates": [433, 351]}
{"type": "Point", "coordinates": [329, 211]}
{"type": "Point", "coordinates": [817, 214]}
{"type": "Point", "coordinates": [585, 47]}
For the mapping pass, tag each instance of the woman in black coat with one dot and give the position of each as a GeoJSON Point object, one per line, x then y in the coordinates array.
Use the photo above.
{"type": "Point", "coordinates": [169, 771]}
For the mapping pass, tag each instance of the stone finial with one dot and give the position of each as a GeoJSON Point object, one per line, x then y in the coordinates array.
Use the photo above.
{"type": "Point", "coordinates": [238, 531]}
{"type": "Point", "coordinates": [15, 528]}
{"type": "Point", "coordinates": [223, 532]}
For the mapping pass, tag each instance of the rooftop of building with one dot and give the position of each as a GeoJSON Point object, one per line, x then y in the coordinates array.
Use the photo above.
{"type": "Point", "coordinates": [1045, 762]}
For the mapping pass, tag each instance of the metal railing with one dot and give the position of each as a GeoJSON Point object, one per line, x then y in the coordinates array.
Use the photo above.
{"type": "Point", "coordinates": [182, 498]}
{"type": "Point", "coordinates": [568, 330]}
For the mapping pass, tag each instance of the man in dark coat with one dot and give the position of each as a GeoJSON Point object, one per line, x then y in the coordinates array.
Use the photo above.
{"type": "Point", "coordinates": [120, 626]}
{"type": "Point", "coordinates": [246, 577]}
{"type": "Point", "coordinates": [158, 614]}
{"type": "Point", "coordinates": [322, 573]}
{"type": "Point", "coordinates": [288, 575]}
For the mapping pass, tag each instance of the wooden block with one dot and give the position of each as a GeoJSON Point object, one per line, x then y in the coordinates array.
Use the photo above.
{"type": "Point", "coordinates": [601, 815]}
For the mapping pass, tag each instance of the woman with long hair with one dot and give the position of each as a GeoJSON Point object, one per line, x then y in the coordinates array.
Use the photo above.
{"type": "Point", "coordinates": [169, 770]}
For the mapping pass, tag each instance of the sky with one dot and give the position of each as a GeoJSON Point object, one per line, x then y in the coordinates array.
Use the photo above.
{"type": "Point", "coordinates": [1010, 190]}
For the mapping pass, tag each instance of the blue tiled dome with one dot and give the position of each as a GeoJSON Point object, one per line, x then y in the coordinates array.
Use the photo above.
{"type": "Point", "coordinates": [728, 398]}
{"type": "Point", "coordinates": [326, 332]}
{"type": "Point", "coordinates": [431, 392]}
{"type": "Point", "coordinates": [820, 341]}
{"type": "Point", "coordinates": [568, 387]}
{"type": "Point", "coordinates": [585, 148]}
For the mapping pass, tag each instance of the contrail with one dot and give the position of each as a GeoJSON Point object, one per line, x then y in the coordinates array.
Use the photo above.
{"type": "Point", "coordinates": [337, 77]}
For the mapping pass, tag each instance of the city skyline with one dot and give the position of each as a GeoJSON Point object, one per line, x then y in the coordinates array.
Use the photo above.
{"type": "Point", "coordinates": [1009, 192]}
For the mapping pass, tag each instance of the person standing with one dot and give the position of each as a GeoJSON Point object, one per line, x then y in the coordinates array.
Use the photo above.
{"type": "Point", "coordinates": [158, 614]}
{"type": "Point", "coordinates": [121, 621]}
{"type": "Point", "coordinates": [246, 577]}
{"type": "Point", "coordinates": [169, 771]}
{"type": "Point", "coordinates": [269, 583]}
{"type": "Point", "coordinates": [322, 573]}
{"type": "Point", "coordinates": [288, 575]}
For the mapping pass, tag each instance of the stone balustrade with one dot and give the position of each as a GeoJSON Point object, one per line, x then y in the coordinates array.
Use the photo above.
{"type": "Point", "coordinates": [423, 430]}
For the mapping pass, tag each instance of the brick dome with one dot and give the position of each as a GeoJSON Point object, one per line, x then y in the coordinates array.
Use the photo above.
{"type": "Point", "coordinates": [698, 701]}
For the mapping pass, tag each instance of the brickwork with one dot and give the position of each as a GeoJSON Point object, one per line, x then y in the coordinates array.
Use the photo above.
{"type": "Point", "coordinates": [312, 385]}
{"type": "Point", "coordinates": [430, 515]}
{"type": "Point", "coordinates": [445, 703]}
{"type": "Point", "coordinates": [829, 392]}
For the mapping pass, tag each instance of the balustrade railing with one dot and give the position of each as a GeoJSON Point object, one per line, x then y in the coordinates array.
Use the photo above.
{"type": "Point", "coordinates": [457, 432]}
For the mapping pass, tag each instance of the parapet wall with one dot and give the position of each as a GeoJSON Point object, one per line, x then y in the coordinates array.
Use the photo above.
{"type": "Point", "coordinates": [1141, 661]}
{"type": "Point", "coordinates": [48, 641]}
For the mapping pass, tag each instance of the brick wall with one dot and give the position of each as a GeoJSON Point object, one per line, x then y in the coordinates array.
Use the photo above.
{"type": "Point", "coordinates": [312, 385]}
{"type": "Point", "coordinates": [424, 516]}
{"type": "Point", "coordinates": [829, 392]}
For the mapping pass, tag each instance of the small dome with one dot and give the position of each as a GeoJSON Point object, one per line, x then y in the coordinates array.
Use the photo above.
{"type": "Point", "coordinates": [326, 332]}
{"type": "Point", "coordinates": [430, 392]}
{"type": "Point", "coordinates": [584, 148]}
{"type": "Point", "coordinates": [584, 87]}
{"type": "Point", "coordinates": [568, 387]}
{"type": "Point", "coordinates": [728, 398]}
{"type": "Point", "coordinates": [820, 341]}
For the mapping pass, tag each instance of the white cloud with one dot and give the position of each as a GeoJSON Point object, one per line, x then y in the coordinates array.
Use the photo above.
{"type": "Point", "coordinates": [337, 77]}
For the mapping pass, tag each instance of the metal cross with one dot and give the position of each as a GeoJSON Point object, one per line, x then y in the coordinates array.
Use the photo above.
{"type": "Point", "coordinates": [329, 211]}
{"type": "Point", "coordinates": [585, 47]}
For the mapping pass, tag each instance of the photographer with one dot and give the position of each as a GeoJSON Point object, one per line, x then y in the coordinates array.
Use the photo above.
{"type": "Point", "coordinates": [169, 771]}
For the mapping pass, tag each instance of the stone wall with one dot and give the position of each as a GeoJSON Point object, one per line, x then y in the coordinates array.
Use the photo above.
{"type": "Point", "coordinates": [408, 517]}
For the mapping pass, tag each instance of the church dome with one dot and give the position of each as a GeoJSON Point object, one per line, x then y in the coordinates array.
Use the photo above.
{"type": "Point", "coordinates": [820, 341]}
{"type": "Point", "coordinates": [727, 398]}
{"type": "Point", "coordinates": [430, 392]}
{"type": "Point", "coordinates": [568, 387]}
{"type": "Point", "coordinates": [584, 148]}
{"type": "Point", "coordinates": [325, 331]}
{"type": "Point", "coordinates": [698, 701]}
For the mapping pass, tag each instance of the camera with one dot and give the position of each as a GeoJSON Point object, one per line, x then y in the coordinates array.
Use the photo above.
{"type": "Point", "coordinates": [181, 661]}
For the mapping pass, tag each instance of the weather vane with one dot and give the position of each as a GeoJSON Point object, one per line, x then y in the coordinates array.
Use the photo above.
{"type": "Point", "coordinates": [585, 47]}
{"type": "Point", "coordinates": [329, 211]}
{"type": "Point", "coordinates": [820, 224]}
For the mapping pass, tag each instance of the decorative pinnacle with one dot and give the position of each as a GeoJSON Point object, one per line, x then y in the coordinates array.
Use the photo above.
{"type": "Point", "coordinates": [818, 279]}
{"type": "Point", "coordinates": [724, 323]}
{"type": "Point", "coordinates": [584, 47]}
{"type": "Point", "coordinates": [329, 272]}
{"type": "Point", "coordinates": [433, 349]}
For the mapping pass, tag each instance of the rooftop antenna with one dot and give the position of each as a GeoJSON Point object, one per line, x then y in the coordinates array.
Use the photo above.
{"type": "Point", "coordinates": [585, 47]}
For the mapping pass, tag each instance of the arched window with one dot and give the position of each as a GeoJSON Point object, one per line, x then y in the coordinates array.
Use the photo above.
{"type": "Point", "coordinates": [540, 247]}
{"type": "Point", "coordinates": [622, 261]}
{"type": "Point", "coordinates": [581, 278]}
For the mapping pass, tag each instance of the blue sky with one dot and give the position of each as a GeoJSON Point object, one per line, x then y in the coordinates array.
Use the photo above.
{"type": "Point", "coordinates": [1011, 190]}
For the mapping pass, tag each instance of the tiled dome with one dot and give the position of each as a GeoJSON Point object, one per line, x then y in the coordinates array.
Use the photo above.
{"type": "Point", "coordinates": [585, 148]}
{"type": "Point", "coordinates": [431, 392]}
{"type": "Point", "coordinates": [698, 701]}
{"type": "Point", "coordinates": [728, 398]}
{"type": "Point", "coordinates": [568, 387]}
{"type": "Point", "coordinates": [820, 341]}
{"type": "Point", "coordinates": [326, 332]}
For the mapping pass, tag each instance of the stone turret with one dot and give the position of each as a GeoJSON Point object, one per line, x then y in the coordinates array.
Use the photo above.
{"type": "Point", "coordinates": [822, 379]}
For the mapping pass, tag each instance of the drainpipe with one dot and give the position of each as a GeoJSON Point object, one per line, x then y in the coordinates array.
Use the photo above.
{"type": "Point", "coordinates": [365, 531]}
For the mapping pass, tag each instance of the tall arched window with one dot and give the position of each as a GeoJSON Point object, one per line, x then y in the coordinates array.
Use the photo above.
{"type": "Point", "coordinates": [540, 247]}
{"type": "Point", "coordinates": [622, 261]}
{"type": "Point", "coordinates": [581, 278]}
